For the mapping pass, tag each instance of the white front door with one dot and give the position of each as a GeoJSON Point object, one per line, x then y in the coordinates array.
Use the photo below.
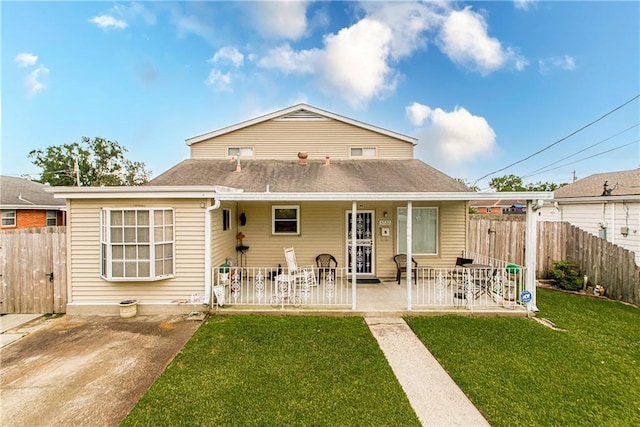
{"type": "Point", "coordinates": [365, 233]}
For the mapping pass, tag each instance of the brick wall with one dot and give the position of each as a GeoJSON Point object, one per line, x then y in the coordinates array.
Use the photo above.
{"type": "Point", "coordinates": [27, 218]}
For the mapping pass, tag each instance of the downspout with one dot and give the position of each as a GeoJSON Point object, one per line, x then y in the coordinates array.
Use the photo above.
{"type": "Point", "coordinates": [208, 279]}
{"type": "Point", "coordinates": [409, 251]}
{"type": "Point", "coordinates": [353, 254]}
{"type": "Point", "coordinates": [530, 254]}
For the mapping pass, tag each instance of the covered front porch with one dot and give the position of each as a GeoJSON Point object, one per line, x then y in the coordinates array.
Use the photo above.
{"type": "Point", "coordinates": [490, 286]}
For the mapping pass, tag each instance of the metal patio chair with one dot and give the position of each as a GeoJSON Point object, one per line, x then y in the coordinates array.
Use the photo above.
{"type": "Point", "coordinates": [401, 266]}
{"type": "Point", "coordinates": [327, 265]}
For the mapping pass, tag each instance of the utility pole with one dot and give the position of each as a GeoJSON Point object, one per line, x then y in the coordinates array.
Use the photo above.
{"type": "Point", "coordinates": [573, 174]}
{"type": "Point", "coordinates": [76, 169]}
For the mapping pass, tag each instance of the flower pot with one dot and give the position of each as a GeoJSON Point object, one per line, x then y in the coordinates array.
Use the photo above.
{"type": "Point", "coordinates": [128, 308]}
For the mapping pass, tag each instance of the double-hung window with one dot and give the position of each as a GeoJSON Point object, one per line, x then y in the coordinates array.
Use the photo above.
{"type": "Point", "coordinates": [52, 218]}
{"type": "Point", "coordinates": [424, 231]}
{"type": "Point", "coordinates": [8, 218]}
{"type": "Point", "coordinates": [137, 244]}
{"type": "Point", "coordinates": [286, 220]}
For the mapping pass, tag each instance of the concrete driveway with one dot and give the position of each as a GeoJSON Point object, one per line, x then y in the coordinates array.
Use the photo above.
{"type": "Point", "coordinates": [86, 371]}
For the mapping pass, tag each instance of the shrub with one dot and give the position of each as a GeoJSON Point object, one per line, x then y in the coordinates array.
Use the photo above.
{"type": "Point", "coordinates": [565, 275]}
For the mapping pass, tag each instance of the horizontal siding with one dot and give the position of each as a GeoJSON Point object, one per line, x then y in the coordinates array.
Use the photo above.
{"type": "Point", "coordinates": [616, 215]}
{"type": "Point", "coordinates": [284, 139]}
{"type": "Point", "coordinates": [86, 285]}
{"type": "Point", "coordinates": [323, 230]}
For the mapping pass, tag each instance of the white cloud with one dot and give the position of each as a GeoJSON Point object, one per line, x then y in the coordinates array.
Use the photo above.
{"type": "Point", "coordinates": [523, 4]}
{"type": "Point", "coordinates": [465, 40]}
{"type": "Point", "coordinates": [220, 81]}
{"type": "Point", "coordinates": [33, 80]}
{"type": "Point", "coordinates": [353, 63]}
{"type": "Point", "coordinates": [564, 62]}
{"type": "Point", "coordinates": [417, 113]}
{"type": "Point", "coordinates": [26, 59]}
{"type": "Point", "coordinates": [289, 61]}
{"type": "Point", "coordinates": [452, 138]}
{"type": "Point", "coordinates": [409, 23]}
{"type": "Point", "coordinates": [230, 54]}
{"type": "Point", "coordinates": [281, 19]}
{"type": "Point", "coordinates": [108, 21]}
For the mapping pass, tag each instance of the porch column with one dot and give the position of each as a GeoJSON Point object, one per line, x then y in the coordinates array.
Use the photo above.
{"type": "Point", "coordinates": [409, 250]}
{"type": "Point", "coordinates": [530, 255]}
{"type": "Point", "coordinates": [354, 207]}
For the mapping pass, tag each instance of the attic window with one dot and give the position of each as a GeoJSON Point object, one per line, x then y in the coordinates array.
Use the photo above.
{"type": "Point", "coordinates": [369, 152]}
{"type": "Point", "coordinates": [240, 151]}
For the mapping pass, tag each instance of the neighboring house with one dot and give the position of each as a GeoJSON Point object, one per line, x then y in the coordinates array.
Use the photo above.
{"type": "Point", "coordinates": [499, 207]}
{"type": "Point", "coordinates": [25, 204]}
{"type": "Point", "coordinates": [606, 205]}
{"type": "Point", "coordinates": [299, 177]}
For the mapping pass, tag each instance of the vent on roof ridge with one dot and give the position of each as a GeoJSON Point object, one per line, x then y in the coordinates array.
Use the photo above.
{"type": "Point", "coordinates": [301, 115]}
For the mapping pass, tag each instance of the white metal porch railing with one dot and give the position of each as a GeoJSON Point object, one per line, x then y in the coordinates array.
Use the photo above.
{"type": "Point", "coordinates": [278, 288]}
{"type": "Point", "coordinates": [445, 288]}
{"type": "Point", "coordinates": [468, 288]}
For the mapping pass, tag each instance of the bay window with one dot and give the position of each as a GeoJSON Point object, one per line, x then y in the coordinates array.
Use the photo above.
{"type": "Point", "coordinates": [137, 243]}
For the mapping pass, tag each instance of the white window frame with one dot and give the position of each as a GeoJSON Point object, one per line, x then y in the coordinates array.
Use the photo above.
{"type": "Point", "coordinates": [157, 239]}
{"type": "Point", "coordinates": [274, 220]}
{"type": "Point", "coordinates": [9, 218]}
{"type": "Point", "coordinates": [365, 152]}
{"type": "Point", "coordinates": [244, 152]}
{"type": "Point", "coordinates": [226, 219]}
{"type": "Point", "coordinates": [52, 216]}
{"type": "Point", "coordinates": [402, 230]}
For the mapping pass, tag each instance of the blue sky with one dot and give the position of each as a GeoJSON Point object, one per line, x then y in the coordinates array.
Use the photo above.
{"type": "Point", "coordinates": [480, 84]}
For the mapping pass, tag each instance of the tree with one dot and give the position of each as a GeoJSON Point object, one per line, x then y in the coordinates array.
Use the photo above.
{"type": "Point", "coordinates": [507, 183]}
{"type": "Point", "coordinates": [468, 184]}
{"type": "Point", "coordinates": [92, 162]}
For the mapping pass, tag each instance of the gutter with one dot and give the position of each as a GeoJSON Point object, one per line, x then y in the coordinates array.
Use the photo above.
{"type": "Point", "coordinates": [208, 279]}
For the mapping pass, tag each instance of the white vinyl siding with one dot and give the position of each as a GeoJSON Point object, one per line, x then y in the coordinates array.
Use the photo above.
{"type": "Point", "coordinates": [86, 286]}
{"type": "Point", "coordinates": [282, 140]}
{"type": "Point", "coordinates": [424, 231]}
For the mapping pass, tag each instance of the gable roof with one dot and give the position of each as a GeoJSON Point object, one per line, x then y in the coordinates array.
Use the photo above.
{"type": "Point", "coordinates": [621, 183]}
{"type": "Point", "coordinates": [340, 176]}
{"type": "Point", "coordinates": [299, 112]}
{"type": "Point", "coordinates": [20, 193]}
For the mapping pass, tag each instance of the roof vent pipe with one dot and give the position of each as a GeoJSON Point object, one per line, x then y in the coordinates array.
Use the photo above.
{"type": "Point", "coordinates": [302, 158]}
{"type": "Point", "coordinates": [238, 167]}
{"type": "Point", "coordinates": [327, 160]}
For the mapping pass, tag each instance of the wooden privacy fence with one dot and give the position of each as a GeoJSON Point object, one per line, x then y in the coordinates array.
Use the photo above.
{"type": "Point", "coordinates": [602, 262]}
{"type": "Point", "coordinates": [33, 270]}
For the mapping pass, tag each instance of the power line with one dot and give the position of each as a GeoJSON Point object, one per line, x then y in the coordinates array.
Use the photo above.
{"type": "Point", "coordinates": [585, 158]}
{"type": "Point", "coordinates": [560, 140]}
{"type": "Point", "coordinates": [581, 151]}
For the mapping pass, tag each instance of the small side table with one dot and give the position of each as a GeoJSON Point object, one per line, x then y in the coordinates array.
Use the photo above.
{"type": "Point", "coordinates": [242, 255]}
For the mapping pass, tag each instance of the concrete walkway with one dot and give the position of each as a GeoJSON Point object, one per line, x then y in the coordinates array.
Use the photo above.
{"type": "Point", "coordinates": [11, 321]}
{"type": "Point", "coordinates": [437, 400]}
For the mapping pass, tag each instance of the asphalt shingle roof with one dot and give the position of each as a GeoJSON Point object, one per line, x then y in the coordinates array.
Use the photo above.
{"type": "Point", "coordinates": [628, 183]}
{"type": "Point", "coordinates": [366, 176]}
{"type": "Point", "coordinates": [32, 193]}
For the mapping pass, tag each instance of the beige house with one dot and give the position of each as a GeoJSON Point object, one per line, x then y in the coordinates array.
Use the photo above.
{"type": "Point", "coordinates": [214, 227]}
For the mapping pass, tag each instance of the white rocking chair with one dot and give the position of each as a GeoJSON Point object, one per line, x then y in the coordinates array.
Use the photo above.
{"type": "Point", "coordinates": [300, 277]}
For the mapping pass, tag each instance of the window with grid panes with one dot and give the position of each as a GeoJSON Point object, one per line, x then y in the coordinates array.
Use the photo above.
{"type": "Point", "coordinates": [137, 244]}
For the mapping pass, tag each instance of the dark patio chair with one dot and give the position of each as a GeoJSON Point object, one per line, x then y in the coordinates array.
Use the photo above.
{"type": "Point", "coordinates": [401, 266]}
{"type": "Point", "coordinates": [458, 273]}
{"type": "Point", "coordinates": [326, 264]}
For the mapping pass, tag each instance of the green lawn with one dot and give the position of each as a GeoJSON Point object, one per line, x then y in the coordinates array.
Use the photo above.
{"type": "Point", "coordinates": [518, 372]}
{"type": "Point", "coordinates": [271, 370]}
